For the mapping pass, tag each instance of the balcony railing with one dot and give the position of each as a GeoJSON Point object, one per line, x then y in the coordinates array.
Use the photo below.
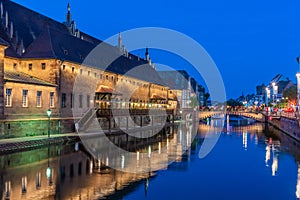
{"type": "Point", "coordinates": [132, 112]}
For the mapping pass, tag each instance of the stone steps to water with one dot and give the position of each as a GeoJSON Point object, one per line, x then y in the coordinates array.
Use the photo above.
{"type": "Point", "coordinates": [33, 144]}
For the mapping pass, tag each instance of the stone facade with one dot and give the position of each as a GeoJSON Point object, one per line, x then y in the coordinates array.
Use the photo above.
{"type": "Point", "coordinates": [73, 86]}
{"type": "Point", "coordinates": [40, 69]}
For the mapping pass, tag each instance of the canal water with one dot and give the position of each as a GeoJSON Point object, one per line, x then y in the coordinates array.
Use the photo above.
{"type": "Point", "coordinates": [248, 162]}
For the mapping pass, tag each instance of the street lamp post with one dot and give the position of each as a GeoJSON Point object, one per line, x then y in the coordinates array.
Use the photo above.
{"type": "Point", "coordinates": [49, 115]}
{"type": "Point", "coordinates": [298, 85]}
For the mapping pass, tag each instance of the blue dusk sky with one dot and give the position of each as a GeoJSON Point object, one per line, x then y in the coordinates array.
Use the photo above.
{"type": "Point", "coordinates": [250, 41]}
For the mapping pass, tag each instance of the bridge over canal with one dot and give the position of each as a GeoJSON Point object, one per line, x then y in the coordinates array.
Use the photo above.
{"type": "Point", "coordinates": [256, 116]}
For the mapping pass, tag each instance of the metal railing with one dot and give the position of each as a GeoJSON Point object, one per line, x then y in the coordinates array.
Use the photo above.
{"type": "Point", "coordinates": [85, 118]}
{"type": "Point", "coordinates": [124, 112]}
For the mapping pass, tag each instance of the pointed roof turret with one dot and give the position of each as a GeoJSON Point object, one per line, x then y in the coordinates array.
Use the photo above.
{"type": "Point", "coordinates": [68, 15]}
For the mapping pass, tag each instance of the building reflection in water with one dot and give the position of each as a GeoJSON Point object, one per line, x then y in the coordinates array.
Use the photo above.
{"type": "Point", "coordinates": [298, 183]}
{"type": "Point", "coordinates": [77, 175]}
{"type": "Point", "coordinates": [277, 140]}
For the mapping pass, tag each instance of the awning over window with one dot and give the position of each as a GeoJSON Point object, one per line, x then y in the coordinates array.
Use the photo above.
{"type": "Point", "coordinates": [107, 90]}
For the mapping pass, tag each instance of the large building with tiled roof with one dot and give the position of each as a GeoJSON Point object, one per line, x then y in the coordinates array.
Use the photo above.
{"type": "Point", "coordinates": [40, 61]}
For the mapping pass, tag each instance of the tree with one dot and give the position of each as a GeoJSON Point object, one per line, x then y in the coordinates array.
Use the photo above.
{"type": "Point", "coordinates": [233, 103]}
{"type": "Point", "coordinates": [194, 102]}
{"type": "Point", "coordinates": [206, 96]}
{"type": "Point", "coordinates": [291, 92]}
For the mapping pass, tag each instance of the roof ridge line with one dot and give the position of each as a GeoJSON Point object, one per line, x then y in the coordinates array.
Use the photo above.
{"type": "Point", "coordinates": [48, 30]}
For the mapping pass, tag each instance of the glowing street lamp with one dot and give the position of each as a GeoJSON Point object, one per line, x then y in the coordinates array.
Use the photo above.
{"type": "Point", "coordinates": [298, 83]}
{"type": "Point", "coordinates": [49, 115]}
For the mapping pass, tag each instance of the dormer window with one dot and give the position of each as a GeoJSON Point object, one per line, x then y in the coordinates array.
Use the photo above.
{"type": "Point", "coordinates": [43, 65]}
{"type": "Point", "coordinates": [66, 52]}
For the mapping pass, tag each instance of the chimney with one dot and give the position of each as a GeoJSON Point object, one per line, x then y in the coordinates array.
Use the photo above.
{"type": "Point", "coordinates": [6, 20]}
{"type": "Point", "coordinates": [11, 32]}
{"type": "Point", "coordinates": [147, 54]}
{"type": "Point", "coordinates": [1, 10]}
{"type": "Point", "coordinates": [120, 42]}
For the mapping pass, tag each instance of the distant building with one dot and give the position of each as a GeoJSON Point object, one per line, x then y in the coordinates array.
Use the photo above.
{"type": "Point", "coordinates": [273, 91]}
{"type": "Point", "coordinates": [184, 86]}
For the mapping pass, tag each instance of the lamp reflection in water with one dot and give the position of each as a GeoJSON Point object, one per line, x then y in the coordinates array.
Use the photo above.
{"type": "Point", "coordinates": [268, 155]}
{"type": "Point", "coordinates": [245, 140]}
{"type": "Point", "coordinates": [275, 161]}
{"type": "Point", "coordinates": [298, 183]}
{"type": "Point", "coordinates": [49, 171]}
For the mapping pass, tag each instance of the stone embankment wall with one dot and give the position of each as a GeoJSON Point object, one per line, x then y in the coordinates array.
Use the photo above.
{"type": "Point", "coordinates": [287, 125]}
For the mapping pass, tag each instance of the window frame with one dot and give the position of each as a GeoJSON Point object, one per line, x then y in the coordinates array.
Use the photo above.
{"type": "Point", "coordinates": [51, 100]}
{"type": "Point", "coordinates": [8, 102]}
{"type": "Point", "coordinates": [39, 99]}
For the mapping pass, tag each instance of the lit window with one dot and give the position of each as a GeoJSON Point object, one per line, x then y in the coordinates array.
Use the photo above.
{"type": "Point", "coordinates": [51, 100]}
{"type": "Point", "coordinates": [39, 99]}
{"type": "Point", "coordinates": [43, 66]}
{"type": "Point", "coordinates": [25, 98]}
{"type": "Point", "coordinates": [8, 98]}
{"type": "Point", "coordinates": [80, 101]}
{"type": "Point", "coordinates": [30, 66]}
{"type": "Point", "coordinates": [63, 100]}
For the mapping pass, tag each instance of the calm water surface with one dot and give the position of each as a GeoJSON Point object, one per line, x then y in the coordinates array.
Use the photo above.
{"type": "Point", "coordinates": [250, 162]}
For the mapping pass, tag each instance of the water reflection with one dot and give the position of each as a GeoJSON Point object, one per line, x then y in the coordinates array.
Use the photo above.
{"type": "Point", "coordinates": [75, 174]}
{"type": "Point", "coordinates": [65, 172]}
{"type": "Point", "coordinates": [141, 154]}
